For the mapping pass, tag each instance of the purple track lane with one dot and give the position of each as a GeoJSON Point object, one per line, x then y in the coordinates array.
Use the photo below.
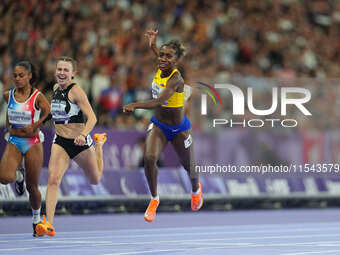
{"type": "Point", "coordinates": [274, 232]}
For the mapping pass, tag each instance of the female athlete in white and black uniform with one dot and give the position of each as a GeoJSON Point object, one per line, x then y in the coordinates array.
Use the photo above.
{"type": "Point", "coordinates": [69, 107]}
{"type": "Point", "coordinates": [66, 112]}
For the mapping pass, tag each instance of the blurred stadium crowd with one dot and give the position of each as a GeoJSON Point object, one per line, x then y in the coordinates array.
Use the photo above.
{"type": "Point", "coordinates": [226, 40]}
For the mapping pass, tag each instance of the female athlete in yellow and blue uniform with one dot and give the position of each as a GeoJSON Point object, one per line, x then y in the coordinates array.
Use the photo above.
{"type": "Point", "coordinates": [170, 123]}
{"type": "Point", "coordinates": [175, 101]}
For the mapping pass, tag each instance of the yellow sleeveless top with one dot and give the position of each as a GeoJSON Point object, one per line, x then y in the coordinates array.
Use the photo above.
{"type": "Point", "coordinates": [159, 83]}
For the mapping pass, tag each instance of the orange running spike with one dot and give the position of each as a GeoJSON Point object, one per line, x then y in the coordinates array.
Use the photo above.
{"type": "Point", "coordinates": [197, 200]}
{"type": "Point", "coordinates": [100, 138]}
{"type": "Point", "coordinates": [150, 213]}
{"type": "Point", "coordinates": [45, 228]}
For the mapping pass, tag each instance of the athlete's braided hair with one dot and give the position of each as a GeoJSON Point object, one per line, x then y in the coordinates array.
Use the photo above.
{"type": "Point", "coordinates": [178, 46]}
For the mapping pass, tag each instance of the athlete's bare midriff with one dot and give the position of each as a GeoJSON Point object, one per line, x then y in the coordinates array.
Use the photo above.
{"type": "Point", "coordinates": [169, 116]}
{"type": "Point", "coordinates": [70, 131]}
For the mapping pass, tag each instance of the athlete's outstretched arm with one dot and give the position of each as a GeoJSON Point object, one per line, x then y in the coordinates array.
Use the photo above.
{"type": "Point", "coordinates": [151, 35]}
{"type": "Point", "coordinates": [170, 88]}
{"type": "Point", "coordinates": [79, 97]}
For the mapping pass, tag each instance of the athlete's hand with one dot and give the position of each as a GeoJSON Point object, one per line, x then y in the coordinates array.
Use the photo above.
{"type": "Point", "coordinates": [151, 35]}
{"type": "Point", "coordinates": [80, 140]}
{"type": "Point", "coordinates": [129, 108]}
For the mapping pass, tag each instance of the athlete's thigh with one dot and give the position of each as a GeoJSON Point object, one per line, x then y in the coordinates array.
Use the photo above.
{"type": "Point", "coordinates": [87, 161]}
{"type": "Point", "coordinates": [59, 161]}
{"type": "Point", "coordinates": [183, 146]}
{"type": "Point", "coordinates": [10, 160]}
{"type": "Point", "coordinates": [155, 142]}
{"type": "Point", "coordinates": [33, 163]}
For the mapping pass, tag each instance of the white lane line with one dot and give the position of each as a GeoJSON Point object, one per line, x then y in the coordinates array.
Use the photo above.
{"type": "Point", "coordinates": [207, 248]}
{"type": "Point", "coordinates": [318, 244]}
{"type": "Point", "coordinates": [313, 252]}
{"type": "Point", "coordinates": [261, 227]}
{"type": "Point", "coordinates": [120, 235]}
{"type": "Point", "coordinates": [165, 250]}
{"type": "Point", "coordinates": [273, 231]}
{"type": "Point", "coordinates": [40, 247]}
{"type": "Point", "coordinates": [217, 245]}
{"type": "Point", "coordinates": [189, 241]}
{"type": "Point", "coordinates": [231, 245]}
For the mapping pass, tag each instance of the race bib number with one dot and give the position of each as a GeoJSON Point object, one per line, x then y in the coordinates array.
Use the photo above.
{"type": "Point", "coordinates": [58, 110]}
{"type": "Point", "coordinates": [19, 117]}
{"type": "Point", "coordinates": [187, 142]}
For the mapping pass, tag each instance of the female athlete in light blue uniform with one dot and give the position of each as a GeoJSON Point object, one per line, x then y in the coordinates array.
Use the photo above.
{"type": "Point", "coordinates": [27, 109]}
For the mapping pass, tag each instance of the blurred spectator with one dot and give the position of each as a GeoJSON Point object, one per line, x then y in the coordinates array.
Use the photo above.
{"type": "Point", "coordinates": [100, 82]}
{"type": "Point", "coordinates": [110, 99]}
{"type": "Point", "coordinates": [225, 39]}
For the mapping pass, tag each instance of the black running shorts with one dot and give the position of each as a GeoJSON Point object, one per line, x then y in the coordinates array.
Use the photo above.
{"type": "Point", "coordinates": [68, 145]}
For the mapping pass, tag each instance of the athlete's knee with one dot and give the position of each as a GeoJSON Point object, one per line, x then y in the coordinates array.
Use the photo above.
{"type": "Point", "coordinates": [5, 176]}
{"type": "Point", "coordinates": [150, 160]}
{"type": "Point", "coordinates": [54, 180]}
{"type": "Point", "coordinates": [6, 179]}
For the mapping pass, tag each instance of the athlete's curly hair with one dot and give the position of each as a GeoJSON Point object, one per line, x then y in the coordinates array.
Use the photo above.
{"type": "Point", "coordinates": [178, 46]}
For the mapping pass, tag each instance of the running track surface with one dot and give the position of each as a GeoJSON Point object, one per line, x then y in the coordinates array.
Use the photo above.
{"type": "Point", "coordinates": [282, 232]}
